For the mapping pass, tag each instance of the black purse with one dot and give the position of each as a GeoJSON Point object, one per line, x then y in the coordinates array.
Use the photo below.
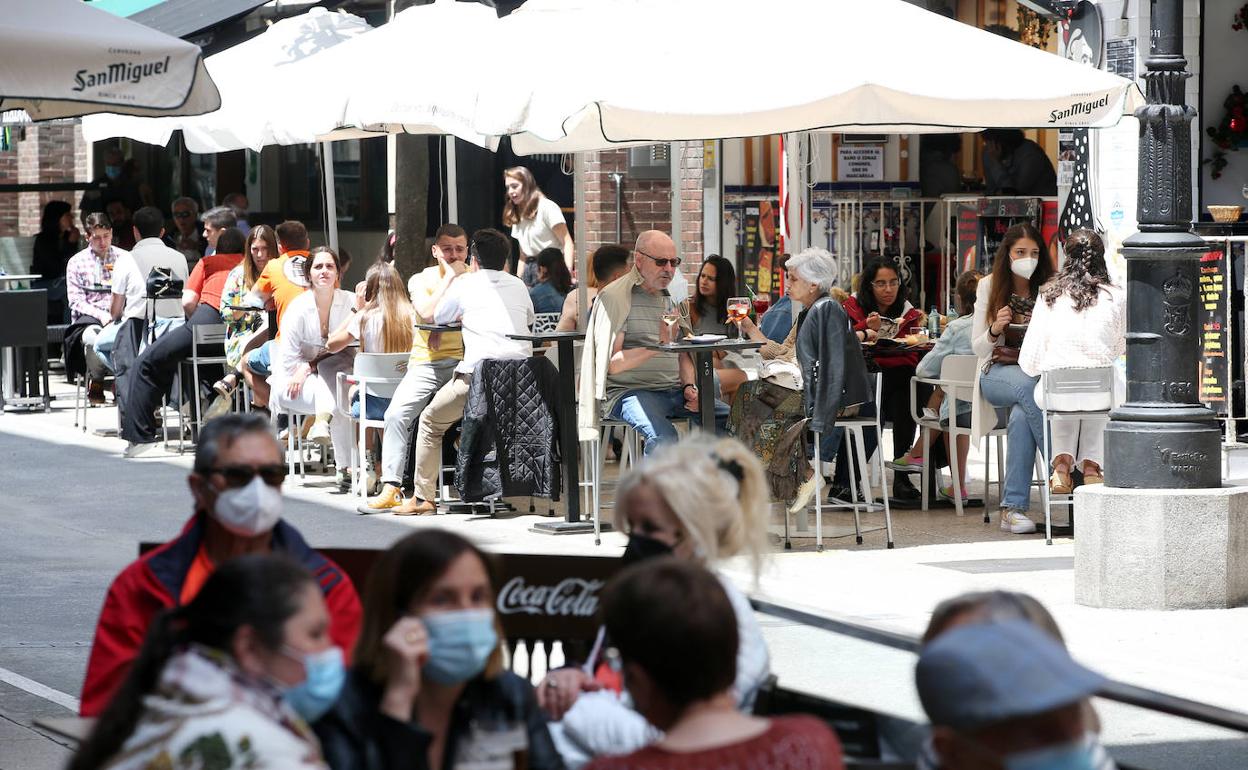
{"type": "Point", "coordinates": [162, 284]}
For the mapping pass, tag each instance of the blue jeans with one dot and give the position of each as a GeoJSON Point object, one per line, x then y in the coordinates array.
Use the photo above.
{"type": "Point", "coordinates": [1008, 387]}
{"type": "Point", "coordinates": [258, 360]}
{"type": "Point", "coordinates": [650, 413]}
{"type": "Point", "coordinates": [377, 406]}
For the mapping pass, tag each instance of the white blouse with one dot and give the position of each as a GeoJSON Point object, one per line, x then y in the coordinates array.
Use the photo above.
{"type": "Point", "coordinates": [301, 330]}
{"type": "Point", "coordinates": [1058, 337]}
{"type": "Point", "coordinates": [539, 232]}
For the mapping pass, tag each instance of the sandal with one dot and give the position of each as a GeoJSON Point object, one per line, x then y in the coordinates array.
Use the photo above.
{"type": "Point", "coordinates": [223, 386]}
{"type": "Point", "coordinates": [1093, 477]}
{"type": "Point", "coordinates": [1060, 483]}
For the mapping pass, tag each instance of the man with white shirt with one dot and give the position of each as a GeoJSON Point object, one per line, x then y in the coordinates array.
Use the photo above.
{"type": "Point", "coordinates": [129, 301]}
{"type": "Point", "coordinates": [490, 304]}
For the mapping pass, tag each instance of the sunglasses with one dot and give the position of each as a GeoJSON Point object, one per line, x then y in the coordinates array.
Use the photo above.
{"type": "Point", "coordinates": [181, 215]}
{"type": "Point", "coordinates": [241, 475]}
{"type": "Point", "coordinates": [674, 262]}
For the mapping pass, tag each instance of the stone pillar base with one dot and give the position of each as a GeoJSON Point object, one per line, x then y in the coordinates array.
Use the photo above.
{"type": "Point", "coordinates": [1159, 549]}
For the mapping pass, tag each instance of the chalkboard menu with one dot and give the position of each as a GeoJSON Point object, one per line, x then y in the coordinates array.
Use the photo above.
{"type": "Point", "coordinates": [1211, 313]}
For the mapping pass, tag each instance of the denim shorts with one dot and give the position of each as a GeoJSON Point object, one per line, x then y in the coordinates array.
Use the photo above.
{"type": "Point", "coordinates": [258, 360]}
{"type": "Point", "coordinates": [376, 407]}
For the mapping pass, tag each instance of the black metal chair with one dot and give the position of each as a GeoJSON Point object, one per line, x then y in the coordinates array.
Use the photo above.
{"type": "Point", "coordinates": [25, 314]}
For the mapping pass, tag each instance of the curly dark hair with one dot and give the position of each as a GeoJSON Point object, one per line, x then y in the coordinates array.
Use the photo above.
{"type": "Point", "coordinates": [1082, 275]}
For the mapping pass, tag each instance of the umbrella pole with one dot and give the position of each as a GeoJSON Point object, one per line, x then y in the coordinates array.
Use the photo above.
{"type": "Point", "coordinates": [331, 202]}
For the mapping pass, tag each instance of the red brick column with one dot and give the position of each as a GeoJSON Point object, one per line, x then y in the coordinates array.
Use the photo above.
{"type": "Point", "coordinates": [45, 153]}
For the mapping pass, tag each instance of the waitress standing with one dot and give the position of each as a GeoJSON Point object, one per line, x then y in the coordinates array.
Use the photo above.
{"type": "Point", "coordinates": [536, 222]}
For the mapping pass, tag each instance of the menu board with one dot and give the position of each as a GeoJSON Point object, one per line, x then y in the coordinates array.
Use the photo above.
{"type": "Point", "coordinates": [1211, 314]}
{"type": "Point", "coordinates": [759, 227]}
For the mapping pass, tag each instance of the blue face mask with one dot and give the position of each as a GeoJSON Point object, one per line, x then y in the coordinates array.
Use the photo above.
{"type": "Point", "coordinates": [460, 643]}
{"type": "Point", "coordinates": [319, 690]}
{"type": "Point", "coordinates": [112, 172]}
{"type": "Point", "coordinates": [1076, 755]}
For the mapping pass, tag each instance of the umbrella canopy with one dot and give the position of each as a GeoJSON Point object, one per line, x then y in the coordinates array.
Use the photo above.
{"type": "Point", "coordinates": [419, 74]}
{"type": "Point", "coordinates": [885, 66]}
{"type": "Point", "coordinates": [63, 58]}
{"type": "Point", "coordinates": [247, 75]}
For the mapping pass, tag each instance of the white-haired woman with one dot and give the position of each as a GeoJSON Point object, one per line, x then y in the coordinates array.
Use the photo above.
{"type": "Point", "coordinates": [702, 500]}
{"type": "Point", "coordinates": [829, 355]}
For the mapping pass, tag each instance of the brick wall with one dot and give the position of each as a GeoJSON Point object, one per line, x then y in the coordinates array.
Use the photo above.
{"type": "Point", "coordinates": [646, 203]}
{"type": "Point", "coordinates": [46, 153]}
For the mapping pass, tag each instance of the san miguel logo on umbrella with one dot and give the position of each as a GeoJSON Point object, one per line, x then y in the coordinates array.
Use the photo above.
{"type": "Point", "coordinates": [1079, 108]}
{"type": "Point", "coordinates": [119, 72]}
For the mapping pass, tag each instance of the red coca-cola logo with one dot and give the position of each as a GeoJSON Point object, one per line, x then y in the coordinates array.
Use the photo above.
{"type": "Point", "coordinates": [572, 596]}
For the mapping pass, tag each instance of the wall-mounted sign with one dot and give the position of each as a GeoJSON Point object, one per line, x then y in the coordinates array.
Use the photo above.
{"type": "Point", "coordinates": [859, 163]}
{"type": "Point", "coordinates": [1120, 57]}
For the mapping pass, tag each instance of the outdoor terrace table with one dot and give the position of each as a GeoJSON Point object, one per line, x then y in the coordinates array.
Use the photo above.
{"type": "Point", "coordinates": [704, 369]}
{"type": "Point", "coordinates": [568, 445]}
{"type": "Point", "coordinates": [10, 279]}
{"type": "Point", "coordinates": [8, 362]}
{"type": "Point", "coordinates": [440, 327]}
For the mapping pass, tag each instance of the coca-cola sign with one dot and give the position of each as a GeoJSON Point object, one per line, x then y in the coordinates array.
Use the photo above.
{"type": "Point", "coordinates": [571, 596]}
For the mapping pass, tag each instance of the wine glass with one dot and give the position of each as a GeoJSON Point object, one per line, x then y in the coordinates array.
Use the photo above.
{"type": "Point", "coordinates": [738, 309]}
{"type": "Point", "coordinates": [761, 303]}
{"type": "Point", "coordinates": [671, 317]}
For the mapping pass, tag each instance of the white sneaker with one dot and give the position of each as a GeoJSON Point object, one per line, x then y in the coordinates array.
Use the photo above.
{"type": "Point", "coordinates": [1016, 522]}
{"type": "Point", "coordinates": [319, 434]}
{"type": "Point", "coordinates": [805, 493]}
{"type": "Point", "coordinates": [143, 449]}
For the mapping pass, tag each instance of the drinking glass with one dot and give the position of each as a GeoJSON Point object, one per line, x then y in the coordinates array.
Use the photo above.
{"type": "Point", "coordinates": [761, 303]}
{"type": "Point", "coordinates": [671, 317]}
{"type": "Point", "coordinates": [738, 309]}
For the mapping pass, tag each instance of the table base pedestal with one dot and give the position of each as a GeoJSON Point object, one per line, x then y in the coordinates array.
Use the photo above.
{"type": "Point", "coordinates": [567, 527]}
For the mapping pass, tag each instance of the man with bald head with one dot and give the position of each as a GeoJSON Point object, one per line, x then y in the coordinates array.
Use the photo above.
{"type": "Point", "coordinates": [621, 378]}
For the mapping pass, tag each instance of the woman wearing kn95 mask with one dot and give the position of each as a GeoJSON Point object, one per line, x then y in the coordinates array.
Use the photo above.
{"type": "Point", "coordinates": [227, 680]}
{"type": "Point", "coordinates": [1003, 306]}
{"type": "Point", "coordinates": [428, 688]}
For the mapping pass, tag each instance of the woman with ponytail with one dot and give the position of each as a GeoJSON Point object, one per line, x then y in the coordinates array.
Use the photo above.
{"type": "Point", "coordinates": [701, 500]}
{"type": "Point", "coordinates": [1080, 321]}
{"type": "Point", "coordinates": [228, 680]}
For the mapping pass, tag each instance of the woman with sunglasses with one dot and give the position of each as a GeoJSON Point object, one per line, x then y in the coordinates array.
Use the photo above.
{"type": "Point", "coordinates": [429, 688]}
{"type": "Point", "coordinates": [714, 509]}
{"type": "Point", "coordinates": [880, 310]}
{"type": "Point", "coordinates": [223, 680]}
{"type": "Point", "coordinates": [305, 372]}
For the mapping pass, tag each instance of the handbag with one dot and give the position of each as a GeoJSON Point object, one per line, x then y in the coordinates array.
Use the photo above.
{"type": "Point", "coordinates": [162, 284]}
{"type": "Point", "coordinates": [1007, 353]}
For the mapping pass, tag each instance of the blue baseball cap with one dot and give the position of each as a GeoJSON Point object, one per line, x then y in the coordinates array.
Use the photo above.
{"type": "Point", "coordinates": [981, 674]}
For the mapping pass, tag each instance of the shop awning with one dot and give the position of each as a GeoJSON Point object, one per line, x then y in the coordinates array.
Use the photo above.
{"type": "Point", "coordinates": [178, 17]}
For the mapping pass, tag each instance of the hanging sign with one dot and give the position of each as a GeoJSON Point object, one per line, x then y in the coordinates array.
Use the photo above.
{"type": "Point", "coordinates": [1211, 314]}
{"type": "Point", "coordinates": [858, 163]}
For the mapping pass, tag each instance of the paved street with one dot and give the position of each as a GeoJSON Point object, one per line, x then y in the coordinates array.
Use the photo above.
{"type": "Point", "coordinates": [73, 511]}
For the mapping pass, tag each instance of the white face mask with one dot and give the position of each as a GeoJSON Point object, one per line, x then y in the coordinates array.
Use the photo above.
{"type": "Point", "coordinates": [1023, 268]}
{"type": "Point", "coordinates": [250, 510]}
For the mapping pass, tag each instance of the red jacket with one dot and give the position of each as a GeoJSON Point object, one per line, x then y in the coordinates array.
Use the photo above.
{"type": "Point", "coordinates": [909, 323]}
{"type": "Point", "coordinates": [154, 582]}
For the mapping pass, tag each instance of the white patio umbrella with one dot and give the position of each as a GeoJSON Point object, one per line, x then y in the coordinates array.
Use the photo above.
{"type": "Point", "coordinates": [420, 74]}
{"type": "Point", "coordinates": [248, 76]}
{"type": "Point", "coordinates": [63, 59]}
{"type": "Point", "coordinates": [886, 66]}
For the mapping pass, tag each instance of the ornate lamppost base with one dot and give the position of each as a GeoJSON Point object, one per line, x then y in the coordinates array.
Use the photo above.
{"type": "Point", "coordinates": [1170, 452]}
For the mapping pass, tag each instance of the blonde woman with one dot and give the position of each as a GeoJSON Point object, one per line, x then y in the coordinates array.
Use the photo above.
{"type": "Point", "coordinates": [258, 249]}
{"type": "Point", "coordinates": [536, 222]}
{"type": "Point", "coordinates": [701, 500]}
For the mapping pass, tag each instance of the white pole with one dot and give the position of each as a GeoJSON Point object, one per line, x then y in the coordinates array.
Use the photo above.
{"type": "Point", "coordinates": [452, 186]}
{"type": "Point", "coordinates": [675, 161]}
{"type": "Point", "coordinates": [331, 203]}
{"type": "Point", "coordinates": [581, 261]}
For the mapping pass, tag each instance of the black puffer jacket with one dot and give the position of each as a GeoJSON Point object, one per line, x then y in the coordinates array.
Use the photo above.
{"type": "Point", "coordinates": [355, 735]}
{"type": "Point", "coordinates": [508, 445]}
{"type": "Point", "coordinates": [833, 369]}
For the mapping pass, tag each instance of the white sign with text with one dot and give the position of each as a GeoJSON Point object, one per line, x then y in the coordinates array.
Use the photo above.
{"type": "Point", "coordinates": [856, 163]}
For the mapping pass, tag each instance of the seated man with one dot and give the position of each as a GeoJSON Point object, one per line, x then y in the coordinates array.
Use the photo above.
{"type": "Point", "coordinates": [643, 387]}
{"type": "Point", "coordinates": [1005, 694]}
{"type": "Point", "coordinates": [130, 275]}
{"type": "Point", "coordinates": [490, 303]}
{"type": "Point", "coordinates": [216, 221]}
{"type": "Point", "coordinates": [88, 281]}
{"type": "Point", "coordinates": [154, 371]}
{"type": "Point", "coordinates": [236, 484]}
{"type": "Point", "coordinates": [279, 284]}
{"type": "Point", "coordinates": [433, 360]}
{"type": "Point", "coordinates": [608, 263]}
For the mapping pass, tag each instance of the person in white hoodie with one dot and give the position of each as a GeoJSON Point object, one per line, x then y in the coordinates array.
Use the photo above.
{"type": "Point", "coordinates": [1080, 322]}
{"type": "Point", "coordinates": [227, 680]}
{"type": "Point", "coordinates": [703, 500]}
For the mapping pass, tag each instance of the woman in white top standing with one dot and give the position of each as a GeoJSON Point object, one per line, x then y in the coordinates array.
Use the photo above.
{"type": "Point", "coordinates": [305, 372]}
{"type": "Point", "coordinates": [536, 222]}
{"type": "Point", "coordinates": [1080, 321]}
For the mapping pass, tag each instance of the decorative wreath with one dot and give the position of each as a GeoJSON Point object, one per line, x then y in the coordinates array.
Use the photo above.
{"type": "Point", "coordinates": [1232, 130]}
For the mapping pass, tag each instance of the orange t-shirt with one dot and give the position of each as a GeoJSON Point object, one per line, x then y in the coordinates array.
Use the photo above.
{"type": "Point", "coordinates": [284, 280]}
{"type": "Point", "coordinates": [196, 576]}
{"type": "Point", "coordinates": [208, 278]}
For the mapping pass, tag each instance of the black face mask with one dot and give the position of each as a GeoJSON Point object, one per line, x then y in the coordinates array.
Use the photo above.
{"type": "Point", "coordinates": [641, 548]}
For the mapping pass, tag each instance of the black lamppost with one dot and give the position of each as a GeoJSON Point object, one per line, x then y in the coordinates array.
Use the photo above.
{"type": "Point", "coordinates": [1163, 437]}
